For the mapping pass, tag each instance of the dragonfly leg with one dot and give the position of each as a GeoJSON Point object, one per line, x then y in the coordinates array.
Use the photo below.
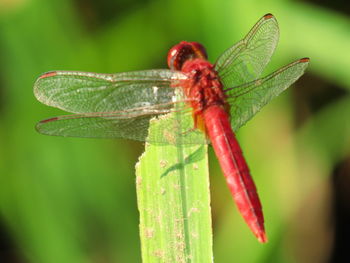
{"type": "Point", "coordinates": [199, 122]}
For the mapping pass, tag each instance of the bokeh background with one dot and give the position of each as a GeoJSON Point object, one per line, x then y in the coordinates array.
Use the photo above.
{"type": "Point", "coordinates": [73, 200]}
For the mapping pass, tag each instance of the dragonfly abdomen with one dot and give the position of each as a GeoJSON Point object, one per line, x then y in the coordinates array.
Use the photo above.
{"type": "Point", "coordinates": [235, 168]}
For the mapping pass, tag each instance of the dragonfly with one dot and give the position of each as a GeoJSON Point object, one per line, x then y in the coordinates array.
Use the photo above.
{"type": "Point", "coordinates": [218, 99]}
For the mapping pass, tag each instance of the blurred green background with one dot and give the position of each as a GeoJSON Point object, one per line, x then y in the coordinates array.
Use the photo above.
{"type": "Point", "coordinates": [73, 200]}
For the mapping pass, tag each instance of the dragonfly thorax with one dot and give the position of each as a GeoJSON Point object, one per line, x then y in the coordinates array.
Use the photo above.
{"type": "Point", "coordinates": [203, 86]}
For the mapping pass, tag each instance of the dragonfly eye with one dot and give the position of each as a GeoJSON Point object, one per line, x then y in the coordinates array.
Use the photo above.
{"type": "Point", "coordinates": [184, 51]}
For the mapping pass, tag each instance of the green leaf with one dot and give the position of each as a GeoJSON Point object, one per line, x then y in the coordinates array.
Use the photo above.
{"type": "Point", "coordinates": [174, 202]}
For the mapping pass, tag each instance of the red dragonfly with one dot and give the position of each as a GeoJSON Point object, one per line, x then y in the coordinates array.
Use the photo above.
{"type": "Point", "coordinates": [221, 97]}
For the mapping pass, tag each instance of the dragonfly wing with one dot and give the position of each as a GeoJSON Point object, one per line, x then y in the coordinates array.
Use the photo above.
{"type": "Point", "coordinates": [246, 60]}
{"type": "Point", "coordinates": [96, 126]}
{"type": "Point", "coordinates": [171, 128]}
{"type": "Point", "coordinates": [246, 100]}
{"type": "Point", "coordinates": [84, 92]}
{"type": "Point", "coordinates": [117, 105]}
{"type": "Point", "coordinates": [176, 128]}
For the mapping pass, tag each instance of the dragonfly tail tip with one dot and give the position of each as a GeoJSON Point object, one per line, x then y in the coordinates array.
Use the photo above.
{"type": "Point", "coordinates": [262, 237]}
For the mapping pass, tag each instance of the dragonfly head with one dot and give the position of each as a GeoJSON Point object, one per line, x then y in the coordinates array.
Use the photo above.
{"type": "Point", "coordinates": [184, 51]}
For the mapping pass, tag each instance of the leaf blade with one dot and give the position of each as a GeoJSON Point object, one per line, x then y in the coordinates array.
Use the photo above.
{"type": "Point", "coordinates": [174, 203]}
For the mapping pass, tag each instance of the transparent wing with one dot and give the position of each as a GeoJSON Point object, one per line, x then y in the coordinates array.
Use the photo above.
{"type": "Point", "coordinates": [173, 127]}
{"type": "Point", "coordinates": [84, 92]}
{"type": "Point", "coordinates": [246, 60]}
{"type": "Point", "coordinates": [246, 100]}
{"type": "Point", "coordinates": [117, 105]}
